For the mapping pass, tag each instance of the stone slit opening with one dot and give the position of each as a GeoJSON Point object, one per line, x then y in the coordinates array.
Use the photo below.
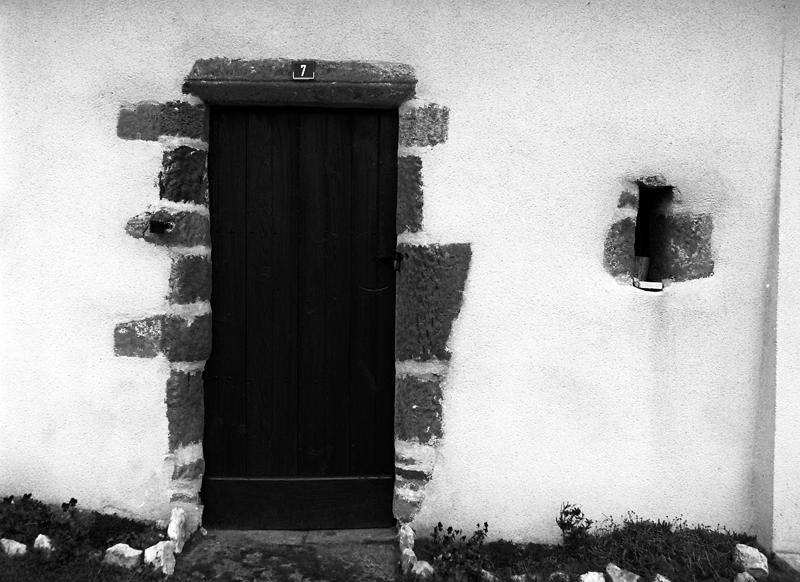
{"type": "Point", "coordinates": [651, 237]}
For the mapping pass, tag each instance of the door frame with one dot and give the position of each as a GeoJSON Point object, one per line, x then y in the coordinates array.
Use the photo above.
{"type": "Point", "coordinates": [429, 286]}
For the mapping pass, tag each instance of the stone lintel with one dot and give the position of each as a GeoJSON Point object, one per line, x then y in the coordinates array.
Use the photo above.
{"type": "Point", "coordinates": [269, 81]}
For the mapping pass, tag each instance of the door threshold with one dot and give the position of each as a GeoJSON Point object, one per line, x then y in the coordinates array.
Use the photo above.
{"type": "Point", "coordinates": [322, 537]}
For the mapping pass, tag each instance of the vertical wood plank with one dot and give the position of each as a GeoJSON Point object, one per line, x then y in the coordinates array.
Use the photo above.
{"type": "Point", "coordinates": [338, 289]}
{"type": "Point", "coordinates": [364, 187]}
{"type": "Point", "coordinates": [214, 431]}
{"type": "Point", "coordinates": [285, 337]}
{"type": "Point", "coordinates": [383, 460]}
{"type": "Point", "coordinates": [224, 377]}
{"type": "Point", "coordinates": [263, 150]}
{"type": "Point", "coordinates": [312, 389]}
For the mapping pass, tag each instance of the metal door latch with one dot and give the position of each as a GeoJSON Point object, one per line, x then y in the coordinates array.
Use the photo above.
{"type": "Point", "coordinates": [396, 258]}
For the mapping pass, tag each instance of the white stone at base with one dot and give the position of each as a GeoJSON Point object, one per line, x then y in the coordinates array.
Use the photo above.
{"type": "Point", "coordinates": [44, 544]}
{"type": "Point", "coordinates": [161, 555]}
{"type": "Point", "coordinates": [123, 555]}
{"type": "Point", "coordinates": [13, 547]}
{"type": "Point", "coordinates": [751, 560]}
{"type": "Point", "coordinates": [422, 569]}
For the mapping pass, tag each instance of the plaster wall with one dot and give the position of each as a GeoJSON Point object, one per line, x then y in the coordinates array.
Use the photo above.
{"type": "Point", "coordinates": [564, 384]}
{"type": "Point", "coordinates": [786, 475]}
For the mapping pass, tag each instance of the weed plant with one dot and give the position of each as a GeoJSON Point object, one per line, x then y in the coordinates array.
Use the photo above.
{"type": "Point", "coordinates": [457, 556]}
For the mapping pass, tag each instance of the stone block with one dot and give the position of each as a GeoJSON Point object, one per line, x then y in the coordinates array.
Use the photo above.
{"type": "Point", "coordinates": [183, 177]}
{"type": "Point", "coordinates": [411, 474]}
{"type": "Point", "coordinates": [404, 509]}
{"type": "Point", "coordinates": [422, 570]}
{"type": "Point", "coordinates": [617, 574]}
{"type": "Point", "coordinates": [140, 338]}
{"type": "Point", "coordinates": [13, 548]}
{"type": "Point", "coordinates": [190, 279]}
{"type": "Point", "coordinates": [418, 408]}
{"type": "Point", "coordinates": [186, 340]}
{"type": "Point", "coordinates": [271, 70]}
{"type": "Point", "coordinates": [751, 560]}
{"type": "Point", "coordinates": [161, 556]}
{"type": "Point", "coordinates": [141, 121]}
{"type": "Point", "coordinates": [680, 247]}
{"type": "Point", "coordinates": [618, 253]}
{"type": "Point", "coordinates": [430, 286]}
{"type": "Point", "coordinates": [123, 555]}
{"type": "Point", "coordinates": [43, 544]}
{"type": "Point", "coordinates": [628, 200]}
{"type": "Point", "coordinates": [182, 119]}
{"type": "Point", "coordinates": [177, 529]}
{"type": "Point", "coordinates": [181, 340]}
{"type": "Point", "coordinates": [409, 194]}
{"type": "Point", "coordinates": [191, 498]}
{"type": "Point", "coordinates": [171, 228]}
{"type": "Point", "coordinates": [686, 253]}
{"type": "Point", "coordinates": [654, 181]}
{"type": "Point", "coordinates": [424, 126]}
{"type": "Point", "coordinates": [269, 81]}
{"type": "Point", "coordinates": [405, 537]}
{"type": "Point", "coordinates": [190, 471]}
{"type": "Point", "coordinates": [185, 412]}
{"type": "Point", "coordinates": [149, 120]}
{"type": "Point", "coordinates": [407, 559]}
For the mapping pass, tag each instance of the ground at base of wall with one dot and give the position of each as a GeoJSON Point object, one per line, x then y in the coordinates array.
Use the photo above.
{"type": "Point", "coordinates": [633, 550]}
{"type": "Point", "coordinates": [291, 556]}
{"type": "Point", "coordinates": [235, 556]}
{"type": "Point", "coordinates": [545, 563]}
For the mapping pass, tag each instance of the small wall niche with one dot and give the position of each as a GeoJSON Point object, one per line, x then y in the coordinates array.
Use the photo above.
{"type": "Point", "coordinates": [655, 237]}
{"type": "Point", "coordinates": [651, 237]}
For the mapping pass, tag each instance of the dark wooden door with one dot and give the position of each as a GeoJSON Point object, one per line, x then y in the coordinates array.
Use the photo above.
{"type": "Point", "coordinates": [299, 389]}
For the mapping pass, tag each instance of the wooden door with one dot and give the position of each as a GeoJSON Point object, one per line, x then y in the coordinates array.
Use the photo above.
{"type": "Point", "coordinates": [299, 389]}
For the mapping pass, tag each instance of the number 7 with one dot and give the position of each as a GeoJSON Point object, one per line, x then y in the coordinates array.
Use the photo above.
{"type": "Point", "coordinates": [302, 70]}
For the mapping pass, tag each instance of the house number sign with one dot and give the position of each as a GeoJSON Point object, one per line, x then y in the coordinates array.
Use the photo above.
{"type": "Point", "coordinates": [304, 70]}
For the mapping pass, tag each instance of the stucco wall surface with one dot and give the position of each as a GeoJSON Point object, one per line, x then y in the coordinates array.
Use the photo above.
{"type": "Point", "coordinates": [786, 461]}
{"type": "Point", "coordinates": [564, 384]}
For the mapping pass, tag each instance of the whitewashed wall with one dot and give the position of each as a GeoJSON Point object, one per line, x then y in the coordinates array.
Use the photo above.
{"type": "Point", "coordinates": [564, 385]}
